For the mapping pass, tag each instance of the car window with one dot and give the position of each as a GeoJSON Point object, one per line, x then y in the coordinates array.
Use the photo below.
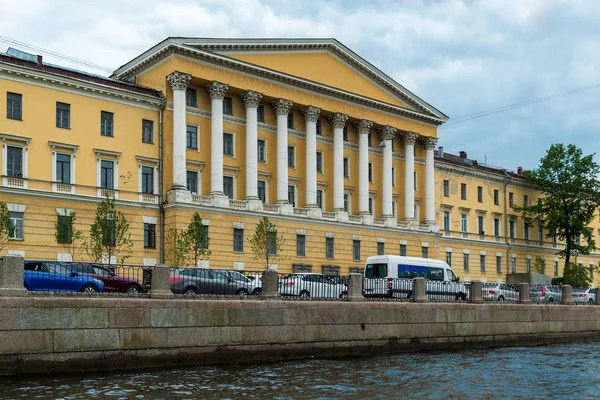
{"type": "Point", "coordinates": [34, 266]}
{"type": "Point", "coordinates": [237, 276]}
{"type": "Point", "coordinates": [57, 268]}
{"type": "Point", "coordinates": [188, 272]}
{"type": "Point", "coordinates": [204, 274]}
{"type": "Point", "coordinates": [452, 276]}
{"type": "Point", "coordinates": [376, 271]}
{"type": "Point", "coordinates": [101, 271]}
{"type": "Point", "coordinates": [83, 268]}
{"type": "Point", "coordinates": [435, 274]}
{"type": "Point", "coordinates": [219, 276]}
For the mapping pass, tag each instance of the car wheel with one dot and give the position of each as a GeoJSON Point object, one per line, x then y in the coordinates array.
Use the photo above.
{"type": "Point", "coordinates": [304, 294]}
{"type": "Point", "coordinates": [89, 289]}
{"type": "Point", "coordinates": [501, 299]}
{"type": "Point", "coordinates": [591, 302]}
{"type": "Point", "coordinates": [243, 293]}
{"type": "Point", "coordinates": [460, 296]}
{"type": "Point", "coordinates": [190, 291]}
{"type": "Point", "coordinates": [344, 296]}
{"type": "Point", "coordinates": [257, 292]}
{"type": "Point", "coordinates": [550, 300]}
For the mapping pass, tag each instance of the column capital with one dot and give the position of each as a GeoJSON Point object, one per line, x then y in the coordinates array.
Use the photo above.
{"type": "Point", "coordinates": [410, 138]}
{"type": "Point", "coordinates": [387, 132]}
{"type": "Point", "coordinates": [338, 120]}
{"type": "Point", "coordinates": [251, 99]}
{"type": "Point", "coordinates": [282, 106]}
{"type": "Point", "coordinates": [217, 90]}
{"type": "Point", "coordinates": [364, 126]}
{"type": "Point", "coordinates": [179, 80]}
{"type": "Point", "coordinates": [311, 114]}
{"type": "Point", "coordinates": [430, 143]}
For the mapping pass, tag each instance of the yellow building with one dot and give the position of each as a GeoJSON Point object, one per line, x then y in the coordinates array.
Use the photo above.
{"type": "Point", "coordinates": [338, 155]}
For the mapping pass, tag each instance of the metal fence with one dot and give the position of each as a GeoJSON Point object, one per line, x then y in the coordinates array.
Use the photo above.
{"type": "Point", "coordinates": [444, 291]}
{"type": "Point", "coordinates": [300, 286]}
{"type": "Point", "coordinates": [499, 293]}
{"type": "Point", "coordinates": [545, 294]}
{"type": "Point", "coordinates": [390, 289]}
{"type": "Point", "coordinates": [215, 283]}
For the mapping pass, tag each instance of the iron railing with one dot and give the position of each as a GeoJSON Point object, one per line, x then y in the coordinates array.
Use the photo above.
{"type": "Point", "coordinates": [299, 286]}
{"type": "Point", "coordinates": [203, 283]}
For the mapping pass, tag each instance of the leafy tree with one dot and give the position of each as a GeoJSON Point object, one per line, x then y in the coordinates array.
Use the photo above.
{"type": "Point", "coordinates": [65, 234]}
{"type": "Point", "coordinates": [176, 252]}
{"type": "Point", "coordinates": [266, 243]}
{"type": "Point", "coordinates": [571, 189]}
{"type": "Point", "coordinates": [197, 238]}
{"type": "Point", "coordinates": [577, 276]}
{"type": "Point", "coordinates": [109, 234]}
{"type": "Point", "coordinates": [4, 226]}
{"type": "Point", "coordinates": [539, 266]}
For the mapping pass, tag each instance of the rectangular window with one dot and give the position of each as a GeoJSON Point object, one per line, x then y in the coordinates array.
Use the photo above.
{"type": "Point", "coordinates": [511, 199]}
{"type": "Point", "coordinates": [541, 234]}
{"type": "Point", "coordinates": [369, 139]}
{"type": "Point", "coordinates": [192, 181]}
{"type": "Point", "coordinates": [446, 220]}
{"type": "Point", "coordinates": [345, 133]}
{"type": "Point", "coordinates": [329, 249]}
{"type": "Point", "coordinates": [148, 180]}
{"type": "Point", "coordinates": [14, 162]}
{"type": "Point", "coordinates": [481, 224]}
{"type": "Point", "coordinates": [106, 174]}
{"type": "Point", "coordinates": [107, 123]}
{"type": "Point", "coordinates": [238, 240]}
{"type": "Point", "coordinates": [319, 125]}
{"type": "Point", "coordinates": [346, 167]}
{"type": "Point", "coordinates": [346, 202]}
{"type": "Point", "coordinates": [497, 227]}
{"type": "Point", "coordinates": [64, 229]}
{"type": "Point", "coordinates": [320, 199]}
{"type": "Point", "coordinates": [203, 240]}
{"type": "Point", "coordinates": [415, 181]}
{"type": "Point", "coordinates": [446, 188]}
{"type": "Point", "coordinates": [261, 151]}
{"type": "Point", "coordinates": [466, 261]}
{"type": "Point", "coordinates": [228, 144]}
{"type": "Point", "coordinates": [482, 262]}
{"type": "Point", "coordinates": [480, 194]}
{"type": "Point", "coordinates": [63, 115]}
{"type": "Point", "coordinates": [227, 106]}
{"type": "Point", "coordinates": [149, 236]}
{"type": "Point", "coordinates": [555, 268]}
{"type": "Point", "coordinates": [424, 252]}
{"type": "Point", "coordinates": [496, 197]}
{"type": "Point", "coordinates": [290, 120]}
{"type": "Point", "coordinates": [514, 265]}
{"type": "Point", "coordinates": [371, 206]}
{"type": "Point", "coordinates": [261, 191]}
{"type": "Point", "coordinates": [525, 200]}
{"type": "Point", "coordinates": [291, 157]}
{"type": "Point", "coordinates": [449, 258]}
{"type": "Point", "coordinates": [464, 223]}
{"type": "Point", "coordinates": [14, 106]}
{"type": "Point", "coordinates": [393, 176]}
{"type": "Point", "coordinates": [301, 245]}
{"type": "Point", "coordinates": [292, 195]}
{"type": "Point", "coordinates": [528, 265]}
{"type": "Point", "coordinates": [319, 162]}
{"type": "Point", "coordinates": [228, 186]}
{"type": "Point", "coordinates": [463, 191]}
{"type": "Point", "coordinates": [63, 168]}
{"type": "Point", "coordinates": [499, 264]}
{"type": "Point", "coordinates": [191, 97]}
{"type": "Point", "coordinates": [371, 172]}
{"type": "Point", "coordinates": [15, 225]}
{"type": "Point", "coordinates": [403, 250]}
{"type": "Point", "coordinates": [260, 113]}
{"type": "Point", "coordinates": [526, 231]}
{"type": "Point", "coordinates": [147, 131]}
{"type": "Point", "coordinates": [356, 250]}
{"type": "Point", "coordinates": [511, 229]}
{"type": "Point", "coordinates": [191, 137]}
{"type": "Point", "coordinates": [380, 248]}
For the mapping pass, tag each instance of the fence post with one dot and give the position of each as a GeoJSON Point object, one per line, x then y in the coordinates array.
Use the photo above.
{"type": "Point", "coordinates": [270, 285]}
{"type": "Point", "coordinates": [11, 276]}
{"type": "Point", "coordinates": [597, 296]}
{"type": "Point", "coordinates": [566, 295]}
{"type": "Point", "coordinates": [419, 291]}
{"type": "Point", "coordinates": [475, 295]}
{"type": "Point", "coordinates": [160, 286]}
{"type": "Point", "coordinates": [524, 293]}
{"type": "Point", "coordinates": [355, 288]}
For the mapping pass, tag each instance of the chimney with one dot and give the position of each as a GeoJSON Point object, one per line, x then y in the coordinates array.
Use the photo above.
{"type": "Point", "coordinates": [39, 60]}
{"type": "Point", "coordinates": [463, 154]}
{"type": "Point", "coordinates": [441, 151]}
{"type": "Point", "coordinates": [519, 170]}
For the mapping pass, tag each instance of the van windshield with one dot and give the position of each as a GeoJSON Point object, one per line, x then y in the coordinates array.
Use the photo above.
{"type": "Point", "coordinates": [452, 276]}
{"type": "Point", "coordinates": [376, 271]}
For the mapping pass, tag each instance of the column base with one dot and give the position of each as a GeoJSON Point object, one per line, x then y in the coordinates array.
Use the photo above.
{"type": "Point", "coordinates": [315, 212]}
{"type": "Point", "coordinates": [341, 215]}
{"type": "Point", "coordinates": [255, 205]}
{"type": "Point", "coordinates": [178, 195]}
{"type": "Point", "coordinates": [413, 225]}
{"type": "Point", "coordinates": [367, 219]}
{"type": "Point", "coordinates": [219, 200]}
{"type": "Point", "coordinates": [286, 208]}
{"type": "Point", "coordinates": [391, 221]}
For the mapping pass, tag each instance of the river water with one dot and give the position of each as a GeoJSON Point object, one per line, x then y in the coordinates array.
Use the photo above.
{"type": "Point", "coordinates": [549, 372]}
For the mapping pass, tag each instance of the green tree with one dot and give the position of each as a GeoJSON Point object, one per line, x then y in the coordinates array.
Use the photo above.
{"type": "Point", "coordinates": [266, 243]}
{"type": "Point", "coordinates": [577, 276]}
{"type": "Point", "coordinates": [109, 234]}
{"type": "Point", "coordinates": [539, 266]}
{"type": "Point", "coordinates": [4, 226]}
{"type": "Point", "coordinates": [197, 238]}
{"type": "Point", "coordinates": [177, 249]}
{"type": "Point", "coordinates": [569, 183]}
{"type": "Point", "coordinates": [66, 234]}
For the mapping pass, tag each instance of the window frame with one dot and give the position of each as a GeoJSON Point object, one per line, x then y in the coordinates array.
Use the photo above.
{"type": "Point", "coordinates": [300, 245]}
{"type": "Point", "coordinates": [480, 194]}
{"type": "Point", "coordinates": [63, 112]}
{"type": "Point", "coordinates": [238, 241]}
{"type": "Point", "coordinates": [147, 131]}
{"type": "Point", "coordinates": [14, 106]}
{"type": "Point", "coordinates": [330, 248]}
{"type": "Point", "coordinates": [260, 113]}
{"type": "Point", "coordinates": [233, 191]}
{"type": "Point", "coordinates": [69, 168]}
{"type": "Point", "coordinates": [229, 136]}
{"type": "Point", "coordinates": [147, 176]}
{"type": "Point", "coordinates": [149, 236]}
{"type": "Point", "coordinates": [107, 124]}
{"type": "Point", "coordinates": [346, 166]}
{"type": "Point", "coordinates": [446, 187]}
{"type": "Point", "coordinates": [228, 105]}
{"type": "Point", "coordinates": [13, 225]}
{"type": "Point", "coordinates": [191, 97]}
{"type": "Point", "coordinates": [380, 248]}
{"type": "Point", "coordinates": [463, 191]}
{"type": "Point", "coordinates": [355, 250]}
{"type": "Point", "coordinates": [21, 173]}
{"type": "Point", "coordinates": [291, 156]}
{"type": "Point", "coordinates": [319, 160]}
{"type": "Point", "coordinates": [196, 181]}
{"type": "Point", "coordinates": [112, 178]}
{"type": "Point", "coordinates": [262, 159]}
{"type": "Point", "coordinates": [189, 135]}
{"type": "Point", "coordinates": [64, 236]}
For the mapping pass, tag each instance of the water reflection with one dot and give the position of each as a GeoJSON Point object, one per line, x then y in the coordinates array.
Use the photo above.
{"type": "Point", "coordinates": [557, 372]}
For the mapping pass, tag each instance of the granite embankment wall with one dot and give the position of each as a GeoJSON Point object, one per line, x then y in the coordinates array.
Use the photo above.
{"type": "Point", "coordinates": [46, 334]}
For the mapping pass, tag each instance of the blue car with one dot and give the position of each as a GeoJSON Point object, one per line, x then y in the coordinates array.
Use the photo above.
{"type": "Point", "coordinates": [52, 276]}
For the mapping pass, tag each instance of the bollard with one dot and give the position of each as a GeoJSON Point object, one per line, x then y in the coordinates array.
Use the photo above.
{"type": "Point", "coordinates": [270, 285]}
{"type": "Point", "coordinates": [566, 295]}
{"type": "Point", "coordinates": [475, 294]}
{"type": "Point", "coordinates": [524, 293]}
{"type": "Point", "coordinates": [597, 296]}
{"type": "Point", "coordinates": [419, 294]}
{"type": "Point", "coordinates": [11, 276]}
{"type": "Point", "coordinates": [355, 287]}
{"type": "Point", "coordinates": [160, 287]}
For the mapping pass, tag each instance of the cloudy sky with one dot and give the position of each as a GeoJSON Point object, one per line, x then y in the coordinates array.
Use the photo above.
{"type": "Point", "coordinates": [462, 56]}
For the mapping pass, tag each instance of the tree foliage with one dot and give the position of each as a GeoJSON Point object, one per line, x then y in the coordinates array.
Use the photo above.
{"type": "Point", "coordinates": [266, 243]}
{"type": "Point", "coordinates": [576, 275]}
{"type": "Point", "coordinates": [188, 246]}
{"type": "Point", "coordinates": [539, 265]}
{"type": "Point", "coordinates": [66, 235]}
{"type": "Point", "coordinates": [4, 226]}
{"type": "Point", "coordinates": [109, 234]}
{"type": "Point", "coordinates": [571, 197]}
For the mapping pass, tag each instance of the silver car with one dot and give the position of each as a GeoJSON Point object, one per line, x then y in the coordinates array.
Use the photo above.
{"type": "Point", "coordinates": [584, 296]}
{"type": "Point", "coordinates": [252, 280]}
{"type": "Point", "coordinates": [500, 292]}
{"type": "Point", "coordinates": [545, 294]}
{"type": "Point", "coordinates": [309, 285]}
{"type": "Point", "coordinates": [191, 281]}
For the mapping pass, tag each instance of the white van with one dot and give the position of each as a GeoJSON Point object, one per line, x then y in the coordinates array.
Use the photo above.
{"type": "Point", "coordinates": [391, 276]}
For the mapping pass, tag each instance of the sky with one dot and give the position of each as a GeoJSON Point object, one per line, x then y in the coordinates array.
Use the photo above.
{"type": "Point", "coordinates": [463, 57]}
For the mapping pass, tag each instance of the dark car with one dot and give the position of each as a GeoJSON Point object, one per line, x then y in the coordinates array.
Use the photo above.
{"type": "Point", "coordinates": [112, 282]}
{"type": "Point", "coordinates": [53, 276]}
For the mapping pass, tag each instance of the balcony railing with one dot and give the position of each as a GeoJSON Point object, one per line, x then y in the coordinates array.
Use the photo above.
{"type": "Point", "coordinates": [328, 215]}
{"type": "Point", "coordinates": [300, 211]}
{"type": "Point", "coordinates": [238, 204]}
{"type": "Point", "coordinates": [15, 182]}
{"type": "Point", "coordinates": [65, 188]}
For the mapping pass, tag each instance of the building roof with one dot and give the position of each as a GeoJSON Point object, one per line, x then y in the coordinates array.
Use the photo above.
{"type": "Point", "coordinates": [463, 161]}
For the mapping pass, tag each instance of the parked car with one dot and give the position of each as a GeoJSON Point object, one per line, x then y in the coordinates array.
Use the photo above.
{"type": "Point", "coordinates": [500, 292]}
{"type": "Point", "coordinates": [190, 281]}
{"type": "Point", "coordinates": [53, 276]}
{"type": "Point", "coordinates": [545, 294]}
{"type": "Point", "coordinates": [112, 282]}
{"type": "Point", "coordinates": [343, 280]}
{"type": "Point", "coordinates": [584, 296]}
{"type": "Point", "coordinates": [253, 281]}
{"type": "Point", "coordinates": [307, 285]}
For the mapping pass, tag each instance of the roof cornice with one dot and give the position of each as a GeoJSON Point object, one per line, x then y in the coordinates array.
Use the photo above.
{"type": "Point", "coordinates": [477, 173]}
{"type": "Point", "coordinates": [173, 49]}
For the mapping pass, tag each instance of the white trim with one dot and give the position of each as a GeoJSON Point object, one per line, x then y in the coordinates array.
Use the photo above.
{"type": "Point", "coordinates": [151, 163]}
{"type": "Point", "coordinates": [404, 242]}
{"type": "Point", "coordinates": [71, 154]}
{"type": "Point", "coordinates": [482, 253]}
{"type": "Point", "coordinates": [424, 244]}
{"type": "Point", "coordinates": [266, 152]}
{"type": "Point", "coordinates": [64, 211]}
{"type": "Point", "coordinates": [149, 262]}
{"type": "Point", "coordinates": [150, 220]}
{"type": "Point", "coordinates": [448, 249]}
{"type": "Point", "coordinates": [197, 149]}
{"type": "Point", "coordinates": [14, 207]}
{"type": "Point", "coordinates": [23, 144]}
{"type": "Point", "coordinates": [380, 240]}
{"type": "Point", "coordinates": [499, 254]}
{"type": "Point", "coordinates": [238, 225]}
{"type": "Point", "coordinates": [330, 235]}
{"type": "Point", "coordinates": [231, 172]}
{"type": "Point", "coordinates": [466, 251]}
{"type": "Point", "coordinates": [232, 144]}
{"type": "Point", "coordinates": [206, 222]}
{"type": "Point", "coordinates": [356, 237]}
{"type": "Point", "coordinates": [239, 266]}
{"type": "Point", "coordinates": [16, 253]}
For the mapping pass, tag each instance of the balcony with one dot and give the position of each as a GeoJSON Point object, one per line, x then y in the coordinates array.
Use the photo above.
{"type": "Point", "coordinates": [15, 181]}
{"type": "Point", "coordinates": [148, 198]}
{"type": "Point", "coordinates": [64, 188]}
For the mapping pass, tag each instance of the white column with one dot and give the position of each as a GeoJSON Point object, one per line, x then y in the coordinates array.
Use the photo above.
{"type": "Point", "coordinates": [311, 115]}
{"type": "Point", "coordinates": [282, 108]}
{"type": "Point", "coordinates": [410, 138]}
{"type": "Point", "coordinates": [363, 127]}
{"type": "Point", "coordinates": [216, 91]}
{"type": "Point", "coordinates": [387, 134]}
{"type": "Point", "coordinates": [430, 144]}
{"type": "Point", "coordinates": [338, 121]}
{"type": "Point", "coordinates": [251, 100]}
{"type": "Point", "coordinates": [179, 83]}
